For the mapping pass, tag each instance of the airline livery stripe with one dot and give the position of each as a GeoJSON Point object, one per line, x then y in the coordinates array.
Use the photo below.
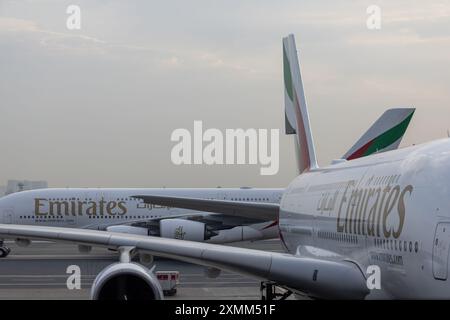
{"type": "Point", "coordinates": [383, 140]}
{"type": "Point", "coordinates": [287, 75]}
{"type": "Point", "coordinates": [302, 137]}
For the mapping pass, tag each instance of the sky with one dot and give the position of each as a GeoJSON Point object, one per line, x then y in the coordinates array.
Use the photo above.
{"type": "Point", "coordinates": [96, 107]}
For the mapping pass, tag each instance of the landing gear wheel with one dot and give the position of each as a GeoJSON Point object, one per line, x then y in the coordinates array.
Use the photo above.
{"type": "Point", "coordinates": [4, 251]}
{"type": "Point", "coordinates": [270, 291]}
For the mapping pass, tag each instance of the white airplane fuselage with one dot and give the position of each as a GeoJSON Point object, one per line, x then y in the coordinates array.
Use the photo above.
{"type": "Point", "coordinates": [105, 207]}
{"type": "Point", "coordinates": [391, 210]}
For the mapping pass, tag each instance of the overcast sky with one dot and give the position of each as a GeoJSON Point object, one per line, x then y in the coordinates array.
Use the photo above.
{"type": "Point", "coordinates": [96, 106]}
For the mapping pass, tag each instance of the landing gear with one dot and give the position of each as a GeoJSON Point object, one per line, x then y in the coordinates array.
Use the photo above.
{"type": "Point", "coordinates": [4, 251]}
{"type": "Point", "coordinates": [170, 293]}
{"type": "Point", "coordinates": [270, 291]}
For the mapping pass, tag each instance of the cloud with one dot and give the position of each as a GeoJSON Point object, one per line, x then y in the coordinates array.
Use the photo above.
{"type": "Point", "coordinates": [80, 44]}
{"type": "Point", "coordinates": [17, 25]}
{"type": "Point", "coordinates": [55, 41]}
{"type": "Point", "coordinates": [405, 38]}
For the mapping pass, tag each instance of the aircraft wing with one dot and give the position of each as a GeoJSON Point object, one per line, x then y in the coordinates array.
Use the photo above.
{"type": "Point", "coordinates": [315, 277]}
{"type": "Point", "coordinates": [252, 210]}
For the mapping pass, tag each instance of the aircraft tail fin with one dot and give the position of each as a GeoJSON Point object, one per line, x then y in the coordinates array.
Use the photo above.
{"type": "Point", "coordinates": [384, 135]}
{"type": "Point", "coordinates": [296, 112]}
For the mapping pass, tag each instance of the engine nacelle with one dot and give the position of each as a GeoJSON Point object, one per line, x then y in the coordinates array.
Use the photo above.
{"type": "Point", "coordinates": [183, 230]}
{"type": "Point", "coordinates": [126, 281]}
{"type": "Point", "coordinates": [145, 259]}
{"type": "Point", "coordinates": [128, 229]}
{"type": "Point", "coordinates": [242, 233]}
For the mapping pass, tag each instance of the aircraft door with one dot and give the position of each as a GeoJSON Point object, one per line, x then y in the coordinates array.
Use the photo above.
{"type": "Point", "coordinates": [6, 216]}
{"type": "Point", "coordinates": [441, 246]}
{"type": "Point", "coordinates": [222, 195]}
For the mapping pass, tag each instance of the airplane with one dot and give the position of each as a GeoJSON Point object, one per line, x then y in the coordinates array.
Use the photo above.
{"type": "Point", "coordinates": [340, 224]}
{"type": "Point", "coordinates": [113, 209]}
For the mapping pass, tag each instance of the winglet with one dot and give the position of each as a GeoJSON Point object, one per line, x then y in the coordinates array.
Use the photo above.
{"type": "Point", "coordinates": [296, 112]}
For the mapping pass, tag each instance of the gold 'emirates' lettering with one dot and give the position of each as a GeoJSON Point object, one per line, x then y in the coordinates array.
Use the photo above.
{"type": "Point", "coordinates": [380, 202]}
{"type": "Point", "coordinates": [45, 207]}
{"type": "Point", "coordinates": [340, 227]}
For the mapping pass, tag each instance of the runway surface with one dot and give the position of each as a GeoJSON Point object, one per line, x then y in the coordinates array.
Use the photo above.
{"type": "Point", "coordinates": [39, 272]}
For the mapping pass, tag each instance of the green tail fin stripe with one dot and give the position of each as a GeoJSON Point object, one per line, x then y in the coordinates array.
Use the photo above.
{"type": "Point", "coordinates": [389, 137]}
{"type": "Point", "coordinates": [287, 76]}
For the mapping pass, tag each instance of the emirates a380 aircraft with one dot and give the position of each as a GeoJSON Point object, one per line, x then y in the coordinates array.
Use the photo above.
{"type": "Point", "coordinates": [387, 211]}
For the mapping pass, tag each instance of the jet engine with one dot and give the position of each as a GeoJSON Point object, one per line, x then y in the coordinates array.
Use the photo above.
{"type": "Point", "coordinates": [170, 228]}
{"type": "Point", "coordinates": [184, 230]}
{"type": "Point", "coordinates": [240, 233]}
{"type": "Point", "coordinates": [126, 281]}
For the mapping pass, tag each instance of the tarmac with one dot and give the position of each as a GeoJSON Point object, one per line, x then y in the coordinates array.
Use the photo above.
{"type": "Point", "coordinates": [39, 271]}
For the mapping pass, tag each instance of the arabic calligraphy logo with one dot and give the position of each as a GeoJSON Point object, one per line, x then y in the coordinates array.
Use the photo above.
{"type": "Point", "coordinates": [179, 234]}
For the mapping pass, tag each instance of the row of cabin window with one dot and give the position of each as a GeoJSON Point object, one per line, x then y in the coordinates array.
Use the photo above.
{"type": "Point", "coordinates": [250, 199]}
{"type": "Point", "coordinates": [338, 236]}
{"type": "Point", "coordinates": [90, 199]}
{"type": "Point", "coordinates": [396, 245]}
{"type": "Point", "coordinates": [131, 199]}
{"type": "Point", "coordinates": [90, 217]}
